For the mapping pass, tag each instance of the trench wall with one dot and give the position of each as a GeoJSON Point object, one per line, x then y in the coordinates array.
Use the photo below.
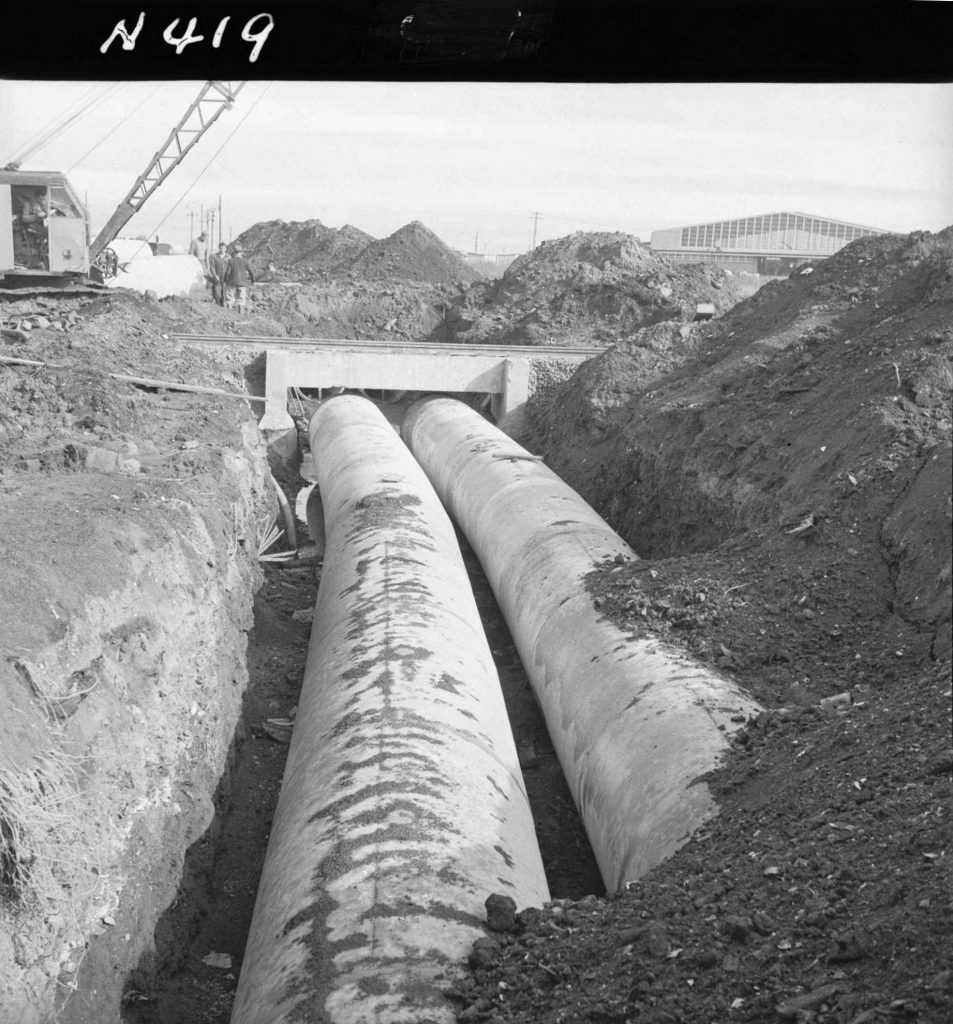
{"type": "Point", "coordinates": [125, 708]}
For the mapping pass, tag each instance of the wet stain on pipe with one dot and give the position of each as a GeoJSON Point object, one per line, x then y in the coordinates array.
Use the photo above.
{"type": "Point", "coordinates": [496, 786]}
{"type": "Point", "coordinates": [448, 683]}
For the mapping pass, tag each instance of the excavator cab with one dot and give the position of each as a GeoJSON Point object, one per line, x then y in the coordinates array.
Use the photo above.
{"type": "Point", "coordinates": [44, 228]}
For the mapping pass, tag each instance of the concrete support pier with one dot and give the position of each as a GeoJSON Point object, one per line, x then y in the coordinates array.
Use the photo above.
{"type": "Point", "coordinates": [402, 806]}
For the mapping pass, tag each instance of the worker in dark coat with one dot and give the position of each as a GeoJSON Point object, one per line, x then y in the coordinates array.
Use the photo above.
{"type": "Point", "coordinates": [217, 268]}
{"type": "Point", "coordinates": [238, 278]}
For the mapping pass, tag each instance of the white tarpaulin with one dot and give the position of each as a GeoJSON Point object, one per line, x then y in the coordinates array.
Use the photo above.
{"type": "Point", "coordinates": [128, 249]}
{"type": "Point", "coordinates": [164, 275]}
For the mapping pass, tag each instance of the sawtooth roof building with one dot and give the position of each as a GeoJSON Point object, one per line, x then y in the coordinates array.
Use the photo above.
{"type": "Point", "coordinates": [771, 243]}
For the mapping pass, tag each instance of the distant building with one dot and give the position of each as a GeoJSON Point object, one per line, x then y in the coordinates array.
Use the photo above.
{"type": "Point", "coordinates": [772, 243]}
{"type": "Point", "coordinates": [488, 263]}
{"type": "Point", "coordinates": [504, 259]}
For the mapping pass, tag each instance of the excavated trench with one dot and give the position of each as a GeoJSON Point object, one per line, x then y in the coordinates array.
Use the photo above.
{"type": "Point", "coordinates": [634, 735]}
{"type": "Point", "coordinates": [193, 971]}
{"type": "Point", "coordinates": [174, 947]}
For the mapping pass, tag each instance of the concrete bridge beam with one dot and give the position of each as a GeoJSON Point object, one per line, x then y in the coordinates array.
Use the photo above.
{"type": "Point", "coordinates": [506, 379]}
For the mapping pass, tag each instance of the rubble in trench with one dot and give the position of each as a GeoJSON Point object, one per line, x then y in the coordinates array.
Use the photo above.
{"type": "Point", "coordinates": [784, 472]}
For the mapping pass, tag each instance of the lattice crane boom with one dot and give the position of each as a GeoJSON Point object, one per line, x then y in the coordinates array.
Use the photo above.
{"type": "Point", "coordinates": [213, 99]}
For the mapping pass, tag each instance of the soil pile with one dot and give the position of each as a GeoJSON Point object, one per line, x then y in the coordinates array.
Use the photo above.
{"type": "Point", "coordinates": [586, 289]}
{"type": "Point", "coordinates": [412, 253]}
{"type": "Point", "coordinates": [354, 309]}
{"type": "Point", "coordinates": [786, 474]}
{"type": "Point", "coordinates": [332, 250]}
{"type": "Point", "coordinates": [819, 895]}
{"type": "Point", "coordinates": [301, 249]}
{"type": "Point", "coordinates": [341, 283]}
{"type": "Point", "coordinates": [824, 400]}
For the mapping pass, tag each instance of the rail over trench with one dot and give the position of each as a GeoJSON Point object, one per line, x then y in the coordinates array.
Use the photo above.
{"type": "Point", "coordinates": [509, 374]}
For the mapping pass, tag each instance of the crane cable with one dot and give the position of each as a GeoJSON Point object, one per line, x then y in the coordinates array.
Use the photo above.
{"type": "Point", "coordinates": [59, 129]}
{"type": "Point", "coordinates": [56, 128]}
{"type": "Point", "coordinates": [135, 110]}
{"type": "Point", "coordinates": [212, 159]}
{"type": "Point", "coordinates": [50, 124]}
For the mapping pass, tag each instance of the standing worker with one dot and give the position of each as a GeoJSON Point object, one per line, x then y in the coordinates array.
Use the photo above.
{"type": "Point", "coordinates": [238, 277]}
{"type": "Point", "coordinates": [217, 268]}
{"type": "Point", "coordinates": [199, 249]}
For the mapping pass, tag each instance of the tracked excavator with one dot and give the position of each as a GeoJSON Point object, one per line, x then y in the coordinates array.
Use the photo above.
{"type": "Point", "coordinates": [45, 228]}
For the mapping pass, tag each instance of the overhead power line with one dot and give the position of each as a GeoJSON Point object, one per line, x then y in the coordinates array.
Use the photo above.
{"type": "Point", "coordinates": [135, 110]}
{"type": "Point", "coordinates": [41, 132]}
{"type": "Point", "coordinates": [58, 126]}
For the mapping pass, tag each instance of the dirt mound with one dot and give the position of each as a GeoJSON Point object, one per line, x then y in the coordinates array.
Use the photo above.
{"type": "Point", "coordinates": [355, 308]}
{"type": "Point", "coordinates": [302, 251]}
{"type": "Point", "coordinates": [822, 398]}
{"type": "Point", "coordinates": [412, 253]}
{"type": "Point", "coordinates": [786, 475]}
{"type": "Point", "coordinates": [586, 288]}
{"type": "Point", "coordinates": [819, 894]}
{"type": "Point", "coordinates": [336, 249]}
{"type": "Point", "coordinates": [601, 386]}
{"type": "Point", "coordinates": [299, 248]}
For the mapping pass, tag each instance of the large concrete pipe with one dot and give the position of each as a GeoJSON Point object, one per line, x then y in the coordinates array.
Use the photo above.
{"type": "Point", "coordinates": [634, 721]}
{"type": "Point", "coordinates": [402, 806]}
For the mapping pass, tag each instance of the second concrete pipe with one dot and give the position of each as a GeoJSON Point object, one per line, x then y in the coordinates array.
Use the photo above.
{"type": "Point", "coordinates": [635, 722]}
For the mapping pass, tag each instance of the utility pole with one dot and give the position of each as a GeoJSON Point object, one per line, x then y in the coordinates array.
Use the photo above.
{"type": "Point", "coordinates": [535, 215]}
{"type": "Point", "coordinates": [191, 225]}
{"type": "Point", "coordinates": [220, 218]}
{"type": "Point", "coordinates": [211, 233]}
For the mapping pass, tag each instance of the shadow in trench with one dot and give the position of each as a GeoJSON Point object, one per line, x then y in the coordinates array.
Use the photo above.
{"type": "Point", "coordinates": [569, 862]}
{"type": "Point", "coordinates": [192, 973]}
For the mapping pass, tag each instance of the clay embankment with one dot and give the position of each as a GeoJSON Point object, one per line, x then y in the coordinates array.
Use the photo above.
{"type": "Point", "coordinates": [129, 521]}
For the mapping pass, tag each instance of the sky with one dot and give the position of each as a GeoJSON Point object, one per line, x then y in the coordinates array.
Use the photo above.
{"type": "Point", "coordinates": [485, 164]}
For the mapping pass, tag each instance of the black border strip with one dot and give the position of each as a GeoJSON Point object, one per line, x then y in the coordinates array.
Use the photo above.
{"type": "Point", "coordinates": [555, 40]}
